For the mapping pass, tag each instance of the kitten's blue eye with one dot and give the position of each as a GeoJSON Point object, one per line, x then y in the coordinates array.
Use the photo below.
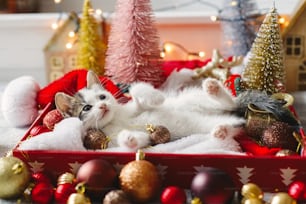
{"type": "Point", "coordinates": [102, 97]}
{"type": "Point", "coordinates": [87, 108]}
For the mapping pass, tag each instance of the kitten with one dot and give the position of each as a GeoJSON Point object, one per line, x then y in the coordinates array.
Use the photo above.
{"type": "Point", "coordinates": [198, 110]}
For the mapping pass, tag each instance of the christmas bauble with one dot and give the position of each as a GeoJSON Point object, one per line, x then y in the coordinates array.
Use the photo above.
{"type": "Point", "coordinates": [282, 198]}
{"type": "Point", "coordinates": [14, 177]}
{"type": "Point", "coordinates": [42, 193]}
{"type": "Point", "coordinates": [78, 198]}
{"type": "Point", "coordinates": [95, 139]}
{"type": "Point", "coordinates": [173, 195]}
{"type": "Point", "coordinates": [116, 197]}
{"type": "Point", "coordinates": [279, 134]}
{"type": "Point", "coordinates": [252, 201]}
{"type": "Point", "coordinates": [51, 118]}
{"type": "Point", "coordinates": [40, 177]}
{"type": "Point", "coordinates": [212, 185]}
{"type": "Point", "coordinates": [38, 129]}
{"type": "Point", "coordinates": [297, 190]}
{"type": "Point", "coordinates": [140, 180]}
{"type": "Point", "coordinates": [98, 175]}
{"type": "Point", "coordinates": [158, 134]}
{"type": "Point", "coordinates": [63, 191]}
{"type": "Point", "coordinates": [251, 190]}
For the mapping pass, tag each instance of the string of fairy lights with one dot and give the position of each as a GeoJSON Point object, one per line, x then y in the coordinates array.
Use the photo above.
{"type": "Point", "coordinates": [168, 47]}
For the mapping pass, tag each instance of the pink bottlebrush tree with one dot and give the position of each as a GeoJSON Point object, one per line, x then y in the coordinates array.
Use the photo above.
{"type": "Point", "coordinates": [133, 52]}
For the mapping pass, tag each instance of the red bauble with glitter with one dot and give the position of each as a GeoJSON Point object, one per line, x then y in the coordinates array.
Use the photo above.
{"type": "Point", "coordinates": [297, 190]}
{"type": "Point", "coordinates": [213, 185]}
{"type": "Point", "coordinates": [42, 193]}
{"type": "Point", "coordinates": [51, 118]}
{"type": "Point", "coordinates": [98, 175]}
{"type": "Point", "coordinates": [173, 195]}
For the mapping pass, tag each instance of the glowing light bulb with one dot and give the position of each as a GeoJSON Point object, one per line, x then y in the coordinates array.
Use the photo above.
{"type": "Point", "coordinates": [71, 34]}
{"type": "Point", "coordinates": [57, 1]}
{"type": "Point", "coordinates": [168, 48]}
{"type": "Point", "coordinates": [54, 26]}
{"type": "Point", "coordinates": [162, 54]}
{"type": "Point", "coordinates": [201, 54]}
{"type": "Point", "coordinates": [234, 3]}
{"type": "Point", "coordinates": [213, 18]}
{"type": "Point", "coordinates": [68, 45]}
{"type": "Point", "coordinates": [99, 12]}
{"type": "Point", "coordinates": [281, 20]}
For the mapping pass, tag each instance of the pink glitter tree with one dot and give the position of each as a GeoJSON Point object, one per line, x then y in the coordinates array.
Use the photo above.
{"type": "Point", "coordinates": [133, 47]}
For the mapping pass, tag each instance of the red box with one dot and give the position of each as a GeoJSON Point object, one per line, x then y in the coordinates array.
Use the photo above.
{"type": "Point", "coordinates": [269, 172]}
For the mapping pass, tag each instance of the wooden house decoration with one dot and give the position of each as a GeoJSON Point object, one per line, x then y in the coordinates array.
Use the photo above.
{"type": "Point", "coordinates": [59, 59]}
{"type": "Point", "coordinates": [294, 36]}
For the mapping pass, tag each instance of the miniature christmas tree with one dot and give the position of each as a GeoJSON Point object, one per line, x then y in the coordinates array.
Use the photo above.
{"type": "Point", "coordinates": [265, 68]}
{"type": "Point", "coordinates": [239, 26]}
{"type": "Point", "coordinates": [133, 48]}
{"type": "Point", "coordinates": [91, 49]}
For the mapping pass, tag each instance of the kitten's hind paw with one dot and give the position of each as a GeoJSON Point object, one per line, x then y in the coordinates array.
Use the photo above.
{"type": "Point", "coordinates": [226, 131]}
{"type": "Point", "coordinates": [211, 86]}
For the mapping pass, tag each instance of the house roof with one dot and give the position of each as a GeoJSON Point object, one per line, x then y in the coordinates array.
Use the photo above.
{"type": "Point", "coordinates": [72, 17]}
{"type": "Point", "coordinates": [296, 14]}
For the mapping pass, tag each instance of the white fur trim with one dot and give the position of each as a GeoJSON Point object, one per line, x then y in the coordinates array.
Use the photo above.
{"type": "Point", "coordinates": [19, 105]}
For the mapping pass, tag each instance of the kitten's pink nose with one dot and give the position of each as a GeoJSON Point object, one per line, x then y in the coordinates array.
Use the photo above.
{"type": "Point", "coordinates": [103, 107]}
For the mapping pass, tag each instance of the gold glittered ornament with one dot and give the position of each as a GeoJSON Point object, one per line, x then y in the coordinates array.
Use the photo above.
{"type": "Point", "coordinates": [95, 139]}
{"type": "Point", "coordinates": [14, 177]}
{"type": "Point", "coordinates": [252, 201]}
{"type": "Point", "coordinates": [65, 178]}
{"type": "Point", "coordinates": [116, 197]}
{"type": "Point", "coordinates": [158, 134]}
{"type": "Point", "coordinates": [140, 179]}
{"type": "Point", "coordinates": [251, 190]}
{"type": "Point", "coordinates": [282, 198]}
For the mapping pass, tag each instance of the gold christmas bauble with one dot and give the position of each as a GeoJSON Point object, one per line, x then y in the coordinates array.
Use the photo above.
{"type": "Point", "coordinates": [14, 177]}
{"type": "Point", "coordinates": [251, 190]}
{"type": "Point", "coordinates": [140, 180]}
{"type": "Point", "coordinates": [282, 198]}
{"type": "Point", "coordinates": [252, 201]}
{"type": "Point", "coordinates": [78, 198]}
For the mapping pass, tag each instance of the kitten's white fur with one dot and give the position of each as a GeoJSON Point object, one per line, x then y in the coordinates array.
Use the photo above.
{"type": "Point", "coordinates": [197, 110]}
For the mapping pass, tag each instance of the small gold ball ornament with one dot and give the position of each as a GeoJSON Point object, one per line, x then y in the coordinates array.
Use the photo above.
{"type": "Point", "coordinates": [252, 201]}
{"type": "Point", "coordinates": [158, 134]}
{"type": "Point", "coordinates": [14, 177]}
{"type": "Point", "coordinates": [140, 179]}
{"type": "Point", "coordinates": [282, 198]}
{"type": "Point", "coordinates": [78, 198]}
{"type": "Point", "coordinates": [251, 190]}
{"type": "Point", "coordinates": [116, 197]}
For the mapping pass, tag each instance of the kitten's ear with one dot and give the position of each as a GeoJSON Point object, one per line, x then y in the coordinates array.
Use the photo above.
{"type": "Point", "coordinates": [63, 103]}
{"type": "Point", "coordinates": [92, 79]}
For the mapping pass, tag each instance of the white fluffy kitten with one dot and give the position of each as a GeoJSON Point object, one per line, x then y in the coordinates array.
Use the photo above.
{"type": "Point", "coordinates": [203, 110]}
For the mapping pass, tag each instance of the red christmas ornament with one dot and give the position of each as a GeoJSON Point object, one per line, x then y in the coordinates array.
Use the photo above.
{"type": "Point", "coordinates": [38, 129]}
{"type": "Point", "coordinates": [63, 191]}
{"type": "Point", "coordinates": [213, 185]}
{"type": "Point", "coordinates": [98, 175]}
{"type": "Point", "coordinates": [42, 193]}
{"type": "Point", "coordinates": [173, 195]}
{"type": "Point", "coordinates": [297, 190]}
{"type": "Point", "coordinates": [51, 118]}
{"type": "Point", "coordinates": [41, 178]}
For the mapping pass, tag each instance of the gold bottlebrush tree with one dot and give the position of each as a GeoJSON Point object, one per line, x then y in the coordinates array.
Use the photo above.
{"type": "Point", "coordinates": [265, 68]}
{"type": "Point", "coordinates": [91, 49]}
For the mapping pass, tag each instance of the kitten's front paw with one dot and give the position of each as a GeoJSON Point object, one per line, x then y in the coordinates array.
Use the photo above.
{"type": "Point", "coordinates": [146, 95]}
{"type": "Point", "coordinates": [133, 139]}
{"type": "Point", "coordinates": [211, 86]}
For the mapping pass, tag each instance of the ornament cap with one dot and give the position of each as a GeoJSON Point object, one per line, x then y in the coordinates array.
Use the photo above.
{"type": "Point", "coordinates": [140, 155]}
